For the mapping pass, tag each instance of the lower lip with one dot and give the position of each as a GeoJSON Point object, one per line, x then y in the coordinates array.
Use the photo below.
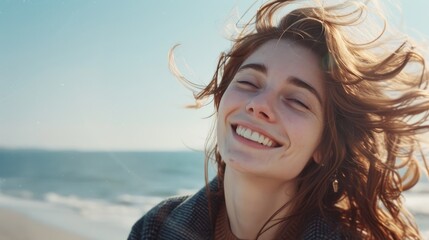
{"type": "Point", "coordinates": [248, 142]}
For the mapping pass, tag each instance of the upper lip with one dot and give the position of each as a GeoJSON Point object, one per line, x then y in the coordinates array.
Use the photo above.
{"type": "Point", "coordinates": [259, 130]}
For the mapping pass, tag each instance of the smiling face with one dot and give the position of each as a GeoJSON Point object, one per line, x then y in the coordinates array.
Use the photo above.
{"type": "Point", "coordinates": [270, 118]}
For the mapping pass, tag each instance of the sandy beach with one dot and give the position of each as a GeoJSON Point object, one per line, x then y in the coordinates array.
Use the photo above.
{"type": "Point", "coordinates": [16, 226]}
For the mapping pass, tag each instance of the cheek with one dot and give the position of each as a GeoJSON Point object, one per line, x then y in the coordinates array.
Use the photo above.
{"type": "Point", "coordinates": [304, 132]}
{"type": "Point", "coordinates": [229, 101]}
{"type": "Point", "coordinates": [221, 120]}
{"type": "Point", "coordinates": [229, 105]}
{"type": "Point", "coordinates": [221, 112]}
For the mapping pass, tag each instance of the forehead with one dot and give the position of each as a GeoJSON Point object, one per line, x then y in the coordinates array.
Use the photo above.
{"type": "Point", "coordinates": [285, 59]}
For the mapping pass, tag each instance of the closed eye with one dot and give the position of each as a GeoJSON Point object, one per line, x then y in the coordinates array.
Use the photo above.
{"type": "Point", "coordinates": [297, 102]}
{"type": "Point", "coordinates": [247, 83]}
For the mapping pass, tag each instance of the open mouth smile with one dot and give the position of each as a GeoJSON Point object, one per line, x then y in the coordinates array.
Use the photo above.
{"type": "Point", "coordinates": [255, 136]}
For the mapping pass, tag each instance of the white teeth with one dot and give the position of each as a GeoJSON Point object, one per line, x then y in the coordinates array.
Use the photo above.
{"type": "Point", "coordinates": [265, 141]}
{"type": "Point", "coordinates": [254, 136]}
{"type": "Point", "coordinates": [247, 133]}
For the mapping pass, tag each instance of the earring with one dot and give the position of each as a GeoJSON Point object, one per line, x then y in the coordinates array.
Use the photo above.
{"type": "Point", "coordinates": [335, 183]}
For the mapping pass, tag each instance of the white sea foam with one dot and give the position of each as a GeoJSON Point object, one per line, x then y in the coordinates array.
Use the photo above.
{"type": "Point", "coordinates": [98, 210]}
{"type": "Point", "coordinates": [145, 202]}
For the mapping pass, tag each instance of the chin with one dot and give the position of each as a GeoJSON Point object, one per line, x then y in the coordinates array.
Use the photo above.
{"type": "Point", "coordinates": [243, 163]}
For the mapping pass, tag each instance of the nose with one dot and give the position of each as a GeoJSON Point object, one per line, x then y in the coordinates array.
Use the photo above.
{"type": "Point", "coordinates": [261, 106]}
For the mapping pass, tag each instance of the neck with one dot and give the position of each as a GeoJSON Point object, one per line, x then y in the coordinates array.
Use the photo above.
{"type": "Point", "coordinates": [251, 201]}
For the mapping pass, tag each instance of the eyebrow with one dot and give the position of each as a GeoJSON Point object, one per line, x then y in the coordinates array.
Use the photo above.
{"type": "Point", "coordinates": [293, 80]}
{"type": "Point", "coordinates": [255, 66]}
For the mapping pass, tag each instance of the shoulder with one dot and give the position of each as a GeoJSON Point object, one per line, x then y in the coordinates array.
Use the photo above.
{"type": "Point", "coordinates": [185, 217]}
{"type": "Point", "coordinates": [321, 228]}
{"type": "Point", "coordinates": [148, 226]}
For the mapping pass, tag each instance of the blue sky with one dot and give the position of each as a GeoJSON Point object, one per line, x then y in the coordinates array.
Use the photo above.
{"type": "Point", "coordinates": [93, 75]}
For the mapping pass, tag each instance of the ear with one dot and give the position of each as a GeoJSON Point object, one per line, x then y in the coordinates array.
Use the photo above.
{"type": "Point", "coordinates": [317, 157]}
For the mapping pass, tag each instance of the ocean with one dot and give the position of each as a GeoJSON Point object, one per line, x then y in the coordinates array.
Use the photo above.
{"type": "Point", "coordinates": [100, 195]}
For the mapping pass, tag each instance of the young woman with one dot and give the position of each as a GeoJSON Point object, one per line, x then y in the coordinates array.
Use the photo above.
{"type": "Point", "coordinates": [314, 127]}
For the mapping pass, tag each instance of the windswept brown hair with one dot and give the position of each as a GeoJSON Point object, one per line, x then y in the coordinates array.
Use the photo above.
{"type": "Point", "coordinates": [377, 107]}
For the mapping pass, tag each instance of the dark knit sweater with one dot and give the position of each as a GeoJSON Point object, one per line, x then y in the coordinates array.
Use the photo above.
{"type": "Point", "coordinates": [187, 218]}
